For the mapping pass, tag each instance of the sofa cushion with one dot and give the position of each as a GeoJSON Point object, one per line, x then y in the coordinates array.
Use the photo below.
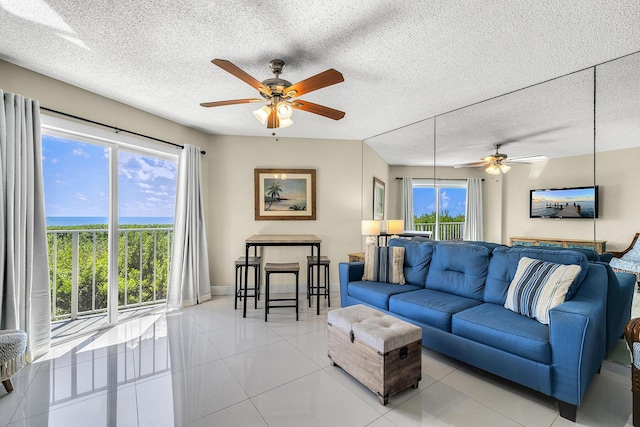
{"type": "Point", "coordinates": [606, 258]}
{"type": "Point", "coordinates": [417, 257]}
{"type": "Point", "coordinates": [433, 308]}
{"type": "Point", "coordinates": [489, 245]}
{"type": "Point", "coordinates": [377, 294]}
{"type": "Point", "coordinates": [459, 269]}
{"type": "Point", "coordinates": [504, 262]}
{"type": "Point", "coordinates": [538, 286]}
{"type": "Point", "coordinates": [591, 254]}
{"type": "Point", "coordinates": [500, 328]}
{"type": "Point", "coordinates": [384, 264]}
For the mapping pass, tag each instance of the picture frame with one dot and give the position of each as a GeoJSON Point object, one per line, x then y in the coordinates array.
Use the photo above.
{"type": "Point", "coordinates": [285, 194]}
{"type": "Point", "coordinates": [378, 199]}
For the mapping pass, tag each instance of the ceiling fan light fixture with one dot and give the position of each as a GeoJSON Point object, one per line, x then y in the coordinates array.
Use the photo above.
{"type": "Point", "coordinates": [262, 114]}
{"type": "Point", "coordinates": [284, 110]}
{"type": "Point", "coordinates": [504, 168]}
{"type": "Point", "coordinates": [492, 169]}
{"type": "Point", "coordinates": [285, 123]}
{"type": "Point", "coordinates": [278, 93]}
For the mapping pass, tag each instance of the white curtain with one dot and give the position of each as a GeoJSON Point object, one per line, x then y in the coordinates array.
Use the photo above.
{"type": "Point", "coordinates": [473, 213]}
{"type": "Point", "coordinates": [407, 202]}
{"type": "Point", "coordinates": [189, 282]}
{"type": "Point", "coordinates": [24, 267]}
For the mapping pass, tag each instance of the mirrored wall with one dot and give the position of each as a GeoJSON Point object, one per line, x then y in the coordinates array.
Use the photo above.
{"type": "Point", "coordinates": [580, 129]}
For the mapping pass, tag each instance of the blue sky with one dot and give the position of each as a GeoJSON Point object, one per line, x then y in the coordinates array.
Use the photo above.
{"type": "Point", "coordinates": [76, 181]}
{"type": "Point", "coordinates": [451, 199]}
{"type": "Point", "coordinates": [565, 196]}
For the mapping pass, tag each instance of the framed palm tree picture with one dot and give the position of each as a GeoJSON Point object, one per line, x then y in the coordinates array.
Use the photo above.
{"type": "Point", "coordinates": [285, 194]}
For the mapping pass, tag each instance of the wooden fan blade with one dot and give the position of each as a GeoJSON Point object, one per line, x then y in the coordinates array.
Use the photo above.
{"type": "Point", "coordinates": [317, 109]}
{"type": "Point", "coordinates": [324, 79]}
{"type": "Point", "coordinates": [273, 121]}
{"type": "Point", "coordinates": [230, 68]}
{"type": "Point", "coordinates": [231, 102]}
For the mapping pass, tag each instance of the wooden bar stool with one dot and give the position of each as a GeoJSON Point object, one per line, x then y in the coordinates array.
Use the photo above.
{"type": "Point", "coordinates": [255, 263]}
{"type": "Point", "coordinates": [312, 262]}
{"type": "Point", "coordinates": [280, 268]}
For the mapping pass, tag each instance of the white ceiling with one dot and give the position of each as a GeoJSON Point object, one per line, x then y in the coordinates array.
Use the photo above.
{"type": "Point", "coordinates": [403, 62]}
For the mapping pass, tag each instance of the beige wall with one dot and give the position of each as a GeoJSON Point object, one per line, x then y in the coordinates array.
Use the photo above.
{"type": "Point", "coordinates": [618, 191]}
{"type": "Point", "coordinates": [230, 207]}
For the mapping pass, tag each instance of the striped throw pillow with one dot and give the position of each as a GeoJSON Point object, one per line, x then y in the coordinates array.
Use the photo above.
{"type": "Point", "coordinates": [384, 264]}
{"type": "Point", "coordinates": [538, 286]}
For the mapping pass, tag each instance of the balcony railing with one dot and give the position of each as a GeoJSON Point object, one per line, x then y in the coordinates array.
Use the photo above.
{"type": "Point", "coordinates": [448, 230]}
{"type": "Point", "coordinates": [78, 265]}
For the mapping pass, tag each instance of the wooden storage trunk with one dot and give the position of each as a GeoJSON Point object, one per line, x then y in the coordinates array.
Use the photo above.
{"type": "Point", "coordinates": [382, 352]}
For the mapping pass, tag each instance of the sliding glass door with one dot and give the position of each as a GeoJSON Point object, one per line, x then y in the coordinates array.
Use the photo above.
{"type": "Point", "coordinates": [439, 208]}
{"type": "Point", "coordinates": [146, 202]}
{"type": "Point", "coordinates": [110, 226]}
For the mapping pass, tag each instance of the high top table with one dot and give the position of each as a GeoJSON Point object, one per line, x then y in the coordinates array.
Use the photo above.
{"type": "Point", "coordinates": [256, 240]}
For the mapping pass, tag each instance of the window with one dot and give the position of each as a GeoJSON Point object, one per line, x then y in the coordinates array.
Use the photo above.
{"type": "Point", "coordinates": [439, 208]}
{"type": "Point", "coordinates": [97, 187]}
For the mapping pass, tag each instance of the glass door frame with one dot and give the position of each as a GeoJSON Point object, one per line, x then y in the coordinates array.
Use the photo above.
{"type": "Point", "coordinates": [113, 142]}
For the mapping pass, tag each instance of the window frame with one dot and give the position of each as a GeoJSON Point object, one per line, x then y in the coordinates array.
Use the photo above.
{"type": "Point", "coordinates": [114, 141]}
{"type": "Point", "coordinates": [438, 185]}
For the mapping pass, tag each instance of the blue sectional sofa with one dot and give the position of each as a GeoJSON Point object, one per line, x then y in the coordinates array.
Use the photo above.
{"type": "Point", "coordinates": [456, 293]}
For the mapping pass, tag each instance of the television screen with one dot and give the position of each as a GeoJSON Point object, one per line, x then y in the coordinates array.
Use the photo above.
{"type": "Point", "coordinates": [576, 202]}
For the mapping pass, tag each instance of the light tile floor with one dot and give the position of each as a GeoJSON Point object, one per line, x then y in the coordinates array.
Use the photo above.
{"type": "Point", "coordinates": [207, 366]}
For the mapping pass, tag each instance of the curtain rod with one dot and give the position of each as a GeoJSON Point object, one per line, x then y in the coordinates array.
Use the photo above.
{"type": "Point", "coordinates": [440, 179]}
{"type": "Point", "coordinates": [116, 129]}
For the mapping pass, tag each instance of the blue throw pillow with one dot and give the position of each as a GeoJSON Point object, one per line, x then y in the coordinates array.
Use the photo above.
{"type": "Point", "coordinates": [417, 256]}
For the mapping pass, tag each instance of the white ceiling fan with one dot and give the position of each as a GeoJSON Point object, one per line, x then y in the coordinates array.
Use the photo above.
{"type": "Point", "coordinates": [498, 163]}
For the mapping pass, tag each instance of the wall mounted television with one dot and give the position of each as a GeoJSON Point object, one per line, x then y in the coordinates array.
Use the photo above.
{"type": "Point", "coordinates": [573, 202]}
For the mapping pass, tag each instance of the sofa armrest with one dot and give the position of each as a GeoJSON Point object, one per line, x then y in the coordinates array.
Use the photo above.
{"type": "Point", "coordinates": [606, 257]}
{"type": "Point", "coordinates": [578, 337]}
{"type": "Point", "coordinates": [349, 272]}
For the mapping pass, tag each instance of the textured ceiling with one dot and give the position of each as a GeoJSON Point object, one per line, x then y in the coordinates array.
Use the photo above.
{"type": "Point", "coordinates": [403, 62]}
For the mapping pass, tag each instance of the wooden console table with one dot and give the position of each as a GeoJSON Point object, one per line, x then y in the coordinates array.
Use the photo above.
{"type": "Point", "coordinates": [600, 245]}
{"type": "Point", "coordinates": [356, 256]}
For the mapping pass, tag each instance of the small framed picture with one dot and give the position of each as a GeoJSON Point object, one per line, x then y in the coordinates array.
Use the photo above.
{"type": "Point", "coordinates": [378, 199]}
{"type": "Point", "coordinates": [285, 194]}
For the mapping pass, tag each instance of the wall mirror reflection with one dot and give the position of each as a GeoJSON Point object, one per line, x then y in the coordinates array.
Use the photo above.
{"type": "Point", "coordinates": [577, 130]}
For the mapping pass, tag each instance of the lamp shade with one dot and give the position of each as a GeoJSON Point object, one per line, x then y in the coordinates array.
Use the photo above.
{"type": "Point", "coordinates": [370, 227]}
{"type": "Point", "coordinates": [492, 169]}
{"type": "Point", "coordinates": [395, 226]}
{"type": "Point", "coordinates": [262, 114]}
{"type": "Point", "coordinates": [285, 123]}
{"type": "Point", "coordinates": [505, 168]}
{"type": "Point", "coordinates": [284, 110]}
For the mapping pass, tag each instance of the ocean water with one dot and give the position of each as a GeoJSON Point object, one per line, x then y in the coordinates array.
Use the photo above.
{"type": "Point", "coordinates": [540, 209]}
{"type": "Point", "coordinates": [63, 221]}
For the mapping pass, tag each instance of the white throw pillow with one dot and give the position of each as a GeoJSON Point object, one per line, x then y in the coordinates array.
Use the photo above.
{"type": "Point", "coordinates": [538, 286]}
{"type": "Point", "coordinates": [384, 264]}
